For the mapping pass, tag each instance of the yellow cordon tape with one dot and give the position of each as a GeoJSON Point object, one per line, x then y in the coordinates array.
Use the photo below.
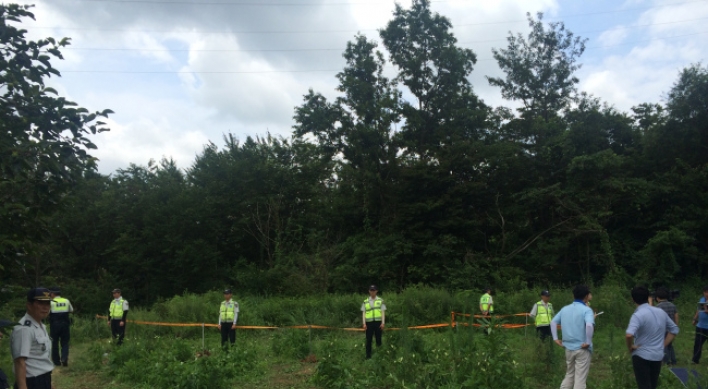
{"type": "Point", "coordinates": [317, 327]}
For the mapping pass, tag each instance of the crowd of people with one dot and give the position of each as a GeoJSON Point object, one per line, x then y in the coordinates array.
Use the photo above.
{"type": "Point", "coordinates": [649, 334]}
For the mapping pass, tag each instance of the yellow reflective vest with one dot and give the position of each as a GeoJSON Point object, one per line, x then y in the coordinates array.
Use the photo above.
{"type": "Point", "coordinates": [486, 302]}
{"type": "Point", "coordinates": [373, 313]}
{"type": "Point", "coordinates": [116, 309]}
{"type": "Point", "coordinates": [60, 305]}
{"type": "Point", "coordinates": [227, 311]}
{"type": "Point", "coordinates": [543, 315]}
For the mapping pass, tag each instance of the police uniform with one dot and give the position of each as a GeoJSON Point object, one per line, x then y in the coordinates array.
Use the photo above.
{"type": "Point", "coordinates": [30, 340]}
{"type": "Point", "coordinates": [543, 313]}
{"type": "Point", "coordinates": [228, 316]}
{"type": "Point", "coordinates": [117, 313]}
{"type": "Point", "coordinates": [59, 323]}
{"type": "Point", "coordinates": [373, 309]}
{"type": "Point", "coordinates": [486, 303]}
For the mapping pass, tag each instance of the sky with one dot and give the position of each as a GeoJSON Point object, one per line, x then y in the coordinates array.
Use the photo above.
{"type": "Point", "coordinates": [182, 73]}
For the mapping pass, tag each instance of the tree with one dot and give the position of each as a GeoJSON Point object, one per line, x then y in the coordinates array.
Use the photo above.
{"type": "Point", "coordinates": [43, 137]}
{"type": "Point", "coordinates": [540, 69]}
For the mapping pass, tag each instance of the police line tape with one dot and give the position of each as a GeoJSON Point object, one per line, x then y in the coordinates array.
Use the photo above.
{"type": "Point", "coordinates": [318, 327]}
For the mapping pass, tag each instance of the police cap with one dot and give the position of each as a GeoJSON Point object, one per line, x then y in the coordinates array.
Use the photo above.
{"type": "Point", "coordinates": [39, 294]}
{"type": "Point", "coordinates": [545, 293]}
{"type": "Point", "coordinates": [227, 291]}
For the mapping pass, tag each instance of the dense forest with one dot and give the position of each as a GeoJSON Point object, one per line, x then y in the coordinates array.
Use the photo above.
{"type": "Point", "coordinates": [402, 180]}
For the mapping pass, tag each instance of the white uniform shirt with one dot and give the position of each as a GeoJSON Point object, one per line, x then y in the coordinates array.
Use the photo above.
{"type": "Point", "coordinates": [30, 340]}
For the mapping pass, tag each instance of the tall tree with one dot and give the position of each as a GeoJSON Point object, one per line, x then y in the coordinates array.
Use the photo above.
{"type": "Point", "coordinates": [43, 137]}
{"type": "Point", "coordinates": [540, 68]}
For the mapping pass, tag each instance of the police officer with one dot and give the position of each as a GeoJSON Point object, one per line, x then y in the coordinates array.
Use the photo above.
{"type": "Point", "coordinates": [373, 316]}
{"type": "Point", "coordinates": [486, 304]}
{"type": "Point", "coordinates": [542, 311]}
{"type": "Point", "coordinates": [59, 323]}
{"type": "Point", "coordinates": [30, 344]}
{"type": "Point", "coordinates": [117, 315]}
{"type": "Point", "coordinates": [228, 316]}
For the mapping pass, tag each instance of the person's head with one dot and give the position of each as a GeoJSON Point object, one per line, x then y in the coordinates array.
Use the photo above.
{"type": "Point", "coordinates": [581, 292]}
{"type": "Point", "coordinates": [640, 295]}
{"type": "Point", "coordinates": [373, 289]}
{"type": "Point", "coordinates": [545, 296]}
{"type": "Point", "coordinates": [227, 294]}
{"type": "Point", "coordinates": [662, 294]}
{"type": "Point", "coordinates": [705, 292]}
{"type": "Point", "coordinates": [488, 290]}
{"type": "Point", "coordinates": [38, 303]}
{"type": "Point", "coordinates": [116, 293]}
{"type": "Point", "coordinates": [55, 291]}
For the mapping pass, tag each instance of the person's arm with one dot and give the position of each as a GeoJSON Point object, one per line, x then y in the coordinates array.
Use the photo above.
{"type": "Point", "coordinates": [554, 332]}
{"type": "Point", "coordinates": [589, 331]}
{"type": "Point", "coordinates": [383, 318]}
{"type": "Point", "coordinates": [363, 318]}
{"type": "Point", "coordinates": [631, 330]}
{"type": "Point", "coordinates": [21, 372]}
{"type": "Point", "coordinates": [233, 325]}
{"type": "Point", "coordinates": [629, 340]}
{"type": "Point", "coordinates": [534, 310]}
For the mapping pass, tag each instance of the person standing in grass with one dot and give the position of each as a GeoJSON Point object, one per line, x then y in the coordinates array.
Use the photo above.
{"type": "Point", "coordinates": [59, 323]}
{"type": "Point", "coordinates": [117, 316]}
{"type": "Point", "coordinates": [30, 344]}
{"type": "Point", "coordinates": [486, 303]}
{"type": "Point", "coordinates": [650, 330]}
{"type": "Point", "coordinates": [228, 316]}
{"type": "Point", "coordinates": [578, 323]}
{"type": "Point", "coordinates": [373, 316]}
{"type": "Point", "coordinates": [700, 320]}
{"type": "Point", "coordinates": [542, 312]}
{"type": "Point", "coordinates": [662, 296]}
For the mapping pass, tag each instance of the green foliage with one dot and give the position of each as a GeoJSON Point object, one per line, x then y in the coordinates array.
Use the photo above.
{"type": "Point", "coordinates": [44, 140]}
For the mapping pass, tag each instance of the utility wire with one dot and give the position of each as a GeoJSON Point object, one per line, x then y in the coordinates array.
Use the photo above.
{"type": "Point", "coordinates": [339, 49]}
{"type": "Point", "coordinates": [326, 70]}
{"type": "Point", "coordinates": [344, 31]}
{"type": "Point", "coordinates": [303, 4]}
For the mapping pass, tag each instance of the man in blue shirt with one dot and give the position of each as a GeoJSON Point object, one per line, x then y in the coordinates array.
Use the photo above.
{"type": "Point", "coordinates": [650, 330]}
{"type": "Point", "coordinates": [578, 323]}
{"type": "Point", "coordinates": [700, 320]}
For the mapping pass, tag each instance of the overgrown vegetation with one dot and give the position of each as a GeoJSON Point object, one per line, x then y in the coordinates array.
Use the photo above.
{"type": "Point", "coordinates": [463, 357]}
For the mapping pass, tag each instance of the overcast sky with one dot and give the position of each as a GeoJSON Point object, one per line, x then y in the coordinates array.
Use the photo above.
{"type": "Point", "coordinates": [179, 73]}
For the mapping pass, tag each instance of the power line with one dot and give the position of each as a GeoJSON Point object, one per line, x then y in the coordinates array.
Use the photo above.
{"type": "Point", "coordinates": [337, 49]}
{"type": "Point", "coordinates": [326, 70]}
{"type": "Point", "coordinates": [344, 31]}
{"type": "Point", "coordinates": [302, 4]}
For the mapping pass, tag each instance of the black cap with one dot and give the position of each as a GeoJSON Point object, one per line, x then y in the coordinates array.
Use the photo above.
{"type": "Point", "coordinates": [116, 290]}
{"type": "Point", "coordinates": [373, 287]}
{"type": "Point", "coordinates": [39, 294]}
{"type": "Point", "coordinates": [227, 291]}
{"type": "Point", "coordinates": [487, 288]}
{"type": "Point", "coordinates": [55, 289]}
{"type": "Point", "coordinates": [545, 293]}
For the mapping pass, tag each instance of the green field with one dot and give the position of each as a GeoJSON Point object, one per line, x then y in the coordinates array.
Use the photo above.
{"type": "Point", "coordinates": [173, 357]}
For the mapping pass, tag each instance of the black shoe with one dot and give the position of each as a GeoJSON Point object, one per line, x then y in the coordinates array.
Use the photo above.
{"type": "Point", "coordinates": [65, 363]}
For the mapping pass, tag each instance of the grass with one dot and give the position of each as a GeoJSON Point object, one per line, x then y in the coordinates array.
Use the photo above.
{"type": "Point", "coordinates": [173, 357]}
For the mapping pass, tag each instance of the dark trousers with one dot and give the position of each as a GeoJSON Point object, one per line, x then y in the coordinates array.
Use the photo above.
{"type": "Point", "coordinates": [646, 372]}
{"type": "Point", "coordinates": [372, 328]}
{"type": "Point", "coordinates": [60, 334]}
{"type": "Point", "coordinates": [543, 332]}
{"type": "Point", "coordinates": [701, 336]}
{"type": "Point", "coordinates": [227, 333]}
{"type": "Point", "coordinates": [670, 354]}
{"type": "Point", "coordinates": [117, 331]}
{"type": "Point", "coordinates": [43, 381]}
